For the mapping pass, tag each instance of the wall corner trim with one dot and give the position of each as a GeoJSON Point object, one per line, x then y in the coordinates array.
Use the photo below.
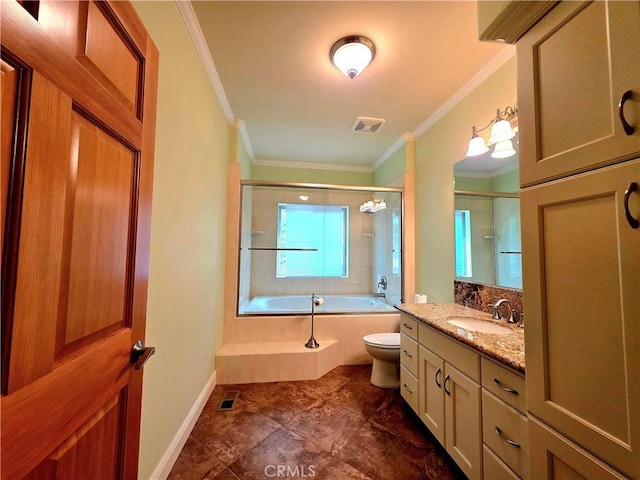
{"type": "Point", "coordinates": [170, 456]}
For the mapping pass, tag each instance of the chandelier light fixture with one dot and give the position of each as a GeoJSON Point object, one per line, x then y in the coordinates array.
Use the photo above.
{"type": "Point", "coordinates": [502, 131]}
{"type": "Point", "coordinates": [352, 54]}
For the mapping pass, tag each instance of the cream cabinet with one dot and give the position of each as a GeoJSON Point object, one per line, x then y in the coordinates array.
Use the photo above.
{"type": "Point", "coordinates": [555, 456]}
{"type": "Point", "coordinates": [575, 68]}
{"type": "Point", "coordinates": [581, 260]}
{"type": "Point", "coordinates": [449, 399]}
{"type": "Point", "coordinates": [505, 427]}
{"type": "Point", "coordinates": [409, 383]}
{"type": "Point", "coordinates": [579, 123]}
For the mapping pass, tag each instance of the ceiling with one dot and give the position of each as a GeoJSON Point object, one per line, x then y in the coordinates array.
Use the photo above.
{"type": "Point", "coordinates": [272, 59]}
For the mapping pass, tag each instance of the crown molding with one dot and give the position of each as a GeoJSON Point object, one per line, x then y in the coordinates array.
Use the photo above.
{"type": "Point", "coordinates": [489, 69]}
{"type": "Point", "coordinates": [312, 166]}
{"type": "Point", "coordinates": [475, 81]}
{"type": "Point", "coordinates": [200, 44]}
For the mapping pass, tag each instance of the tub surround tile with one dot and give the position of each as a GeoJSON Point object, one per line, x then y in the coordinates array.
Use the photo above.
{"type": "Point", "coordinates": [340, 424]}
{"type": "Point", "coordinates": [268, 362]}
{"type": "Point", "coordinates": [507, 349]}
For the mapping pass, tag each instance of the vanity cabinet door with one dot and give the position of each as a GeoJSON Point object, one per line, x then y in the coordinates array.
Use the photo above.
{"type": "Point", "coordinates": [574, 68]}
{"type": "Point", "coordinates": [431, 398]}
{"type": "Point", "coordinates": [581, 260]}
{"type": "Point", "coordinates": [463, 437]}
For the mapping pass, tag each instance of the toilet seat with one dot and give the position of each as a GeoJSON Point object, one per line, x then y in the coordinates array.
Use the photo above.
{"type": "Point", "coordinates": [383, 340]}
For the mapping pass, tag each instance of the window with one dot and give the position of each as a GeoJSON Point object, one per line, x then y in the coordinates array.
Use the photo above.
{"type": "Point", "coordinates": [463, 243]}
{"type": "Point", "coordinates": [322, 231]}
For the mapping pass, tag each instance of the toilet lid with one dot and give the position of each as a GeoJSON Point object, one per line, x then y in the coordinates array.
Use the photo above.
{"type": "Point", "coordinates": [383, 340]}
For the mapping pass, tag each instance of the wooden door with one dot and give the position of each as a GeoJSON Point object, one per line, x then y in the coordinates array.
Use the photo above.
{"type": "Point", "coordinates": [79, 86]}
{"type": "Point", "coordinates": [582, 336]}
{"type": "Point", "coordinates": [574, 68]}
{"type": "Point", "coordinates": [463, 421]}
{"type": "Point", "coordinates": [431, 397]}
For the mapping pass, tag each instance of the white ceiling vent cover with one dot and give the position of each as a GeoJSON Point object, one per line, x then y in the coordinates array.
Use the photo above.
{"type": "Point", "coordinates": [367, 124]}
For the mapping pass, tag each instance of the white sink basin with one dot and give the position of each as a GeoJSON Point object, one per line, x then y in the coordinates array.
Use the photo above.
{"type": "Point", "coordinates": [478, 325]}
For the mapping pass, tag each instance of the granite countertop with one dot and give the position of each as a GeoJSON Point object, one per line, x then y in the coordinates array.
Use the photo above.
{"type": "Point", "coordinates": [507, 349]}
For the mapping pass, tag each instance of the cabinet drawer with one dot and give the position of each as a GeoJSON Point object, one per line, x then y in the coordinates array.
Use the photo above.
{"type": "Point", "coordinates": [501, 425]}
{"type": "Point", "coordinates": [504, 384]}
{"type": "Point", "coordinates": [409, 388]}
{"type": "Point", "coordinates": [409, 326]}
{"type": "Point", "coordinates": [409, 353]}
{"type": "Point", "coordinates": [461, 357]}
{"type": "Point", "coordinates": [494, 468]}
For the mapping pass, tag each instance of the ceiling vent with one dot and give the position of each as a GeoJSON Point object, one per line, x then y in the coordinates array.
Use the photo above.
{"type": "Point", "coordinates": [367, 125]}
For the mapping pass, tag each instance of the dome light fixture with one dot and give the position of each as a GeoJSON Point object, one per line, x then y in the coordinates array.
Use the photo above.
{"type": "Point", "coordinates": [352, 54]}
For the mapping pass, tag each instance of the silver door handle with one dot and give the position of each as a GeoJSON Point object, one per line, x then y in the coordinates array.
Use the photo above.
{"type": "Point", "coordinates": [140, 354]}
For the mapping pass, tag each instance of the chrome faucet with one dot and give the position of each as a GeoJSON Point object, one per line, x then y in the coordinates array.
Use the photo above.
{"type": "Point", "coordinates": [382, 283]}
{"type": "Point", "coordinates": [496, 310]}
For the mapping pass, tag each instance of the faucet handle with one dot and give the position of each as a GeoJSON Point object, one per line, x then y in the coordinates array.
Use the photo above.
{"type": "Point", "coordinates": [496, 312]}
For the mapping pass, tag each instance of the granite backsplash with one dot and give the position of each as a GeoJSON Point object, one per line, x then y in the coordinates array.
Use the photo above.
{"type": "Point", "coordinates": [479, 296]}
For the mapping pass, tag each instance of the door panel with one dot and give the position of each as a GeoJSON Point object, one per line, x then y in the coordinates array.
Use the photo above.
{"type": "Point", "coordinates": [8, 92]}
{"type": "Point", "coordinates": [71, 404]}
{"type": "Point", "coordinates": [37, 302]}
{"type": "Point", "coordinates": [431, 396]}
{"type": "Point", "coordinates": [584, 342]}
{"type": "Point", "coordinates": [102, 180]}
{"type": "Point", "coordinates": [89, 452]}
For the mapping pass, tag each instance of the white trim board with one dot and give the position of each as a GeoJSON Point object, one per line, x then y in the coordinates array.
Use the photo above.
{"type": "Point", "coordinates": [475, 81]}
{"type": "Point", "coordinates": [170, 456]}
{"type": "Point", "coordinates": [312, 166]}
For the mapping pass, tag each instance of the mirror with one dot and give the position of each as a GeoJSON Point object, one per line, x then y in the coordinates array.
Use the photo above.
{"type": "Point", "coordinates": [487, 221]}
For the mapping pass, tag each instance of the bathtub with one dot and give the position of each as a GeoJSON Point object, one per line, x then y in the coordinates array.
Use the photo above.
{"type": "Point", "coordinates": [269, 305]}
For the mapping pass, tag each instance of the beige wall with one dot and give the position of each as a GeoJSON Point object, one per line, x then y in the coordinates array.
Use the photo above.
{"type": "Point", "coordinates": [186, 276]}
{"type": "Point", "coordinates": [311, 175]}
{"type": "Point", "coordinates": [436, 151]}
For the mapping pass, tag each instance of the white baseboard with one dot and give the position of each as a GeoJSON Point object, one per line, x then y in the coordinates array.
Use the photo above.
{"type": "Point", "coordinates": [169, 458]}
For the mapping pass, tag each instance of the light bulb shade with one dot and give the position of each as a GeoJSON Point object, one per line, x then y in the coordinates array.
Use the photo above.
{"type": "Point", "coordinates": [503, 149]}
{"type": "Point", "coordinates": [352, 55]}
{"type": "Point", "coordinates": [501, 131]}
{"type": "Point", "coordinates": [476, 147]}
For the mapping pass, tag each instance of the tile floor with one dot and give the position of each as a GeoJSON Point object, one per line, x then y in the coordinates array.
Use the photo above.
{"type": "Point", "coordinates": [339, 427]}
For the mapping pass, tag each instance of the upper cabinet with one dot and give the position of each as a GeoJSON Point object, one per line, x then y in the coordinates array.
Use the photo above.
{"type": "Point", "coordinates": [507, 20]}
{"type": "Point", "coordinates": [579, 89]}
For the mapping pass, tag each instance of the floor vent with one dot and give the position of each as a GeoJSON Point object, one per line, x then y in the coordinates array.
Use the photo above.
{"type": "Point", "coordinates": [367, 125]}
{"type": "Point", "coordinates": [229, 400]}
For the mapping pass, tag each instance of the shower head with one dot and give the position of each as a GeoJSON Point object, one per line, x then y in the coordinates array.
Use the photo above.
{"type": "Point", "coordinates": [317, 301]}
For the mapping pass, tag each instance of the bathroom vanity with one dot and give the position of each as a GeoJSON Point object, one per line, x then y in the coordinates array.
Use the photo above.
{"type": "Point", "coordinates": [462, 372]}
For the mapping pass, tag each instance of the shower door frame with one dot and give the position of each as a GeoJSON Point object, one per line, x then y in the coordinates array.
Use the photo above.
{"type": "Point", "coordinates": [317, 186]}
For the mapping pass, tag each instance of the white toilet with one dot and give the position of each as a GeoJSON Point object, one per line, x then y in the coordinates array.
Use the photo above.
{"type": "Point", "coordinates": [385, 350]}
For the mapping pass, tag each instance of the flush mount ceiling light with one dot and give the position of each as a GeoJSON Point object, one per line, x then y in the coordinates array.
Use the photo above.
{"type": "Point", "coordinates": [503, 129]}
{"type": "Point", "coordinates": [352, 54]}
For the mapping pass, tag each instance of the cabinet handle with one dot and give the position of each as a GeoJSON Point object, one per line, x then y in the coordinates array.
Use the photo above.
{"type": "Point", "coordinates": [633, 186]}
{"type": "Point", "coordinates": [628, 129]}
{"type": "Point", "coordinates": [407, 326]}
{"type": "Point", "coordinates": [446, 379]}
{"type": "Point", "coordinates": [406, 387]}
{"type": "Point", "coordinates": [436, 378]}
{"type": "Point", "coordinates": [407, 354]}
{"type": "Point", "coordinates": [510, 442]}
{"type": "Point", "coordinates": [506, 389]}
